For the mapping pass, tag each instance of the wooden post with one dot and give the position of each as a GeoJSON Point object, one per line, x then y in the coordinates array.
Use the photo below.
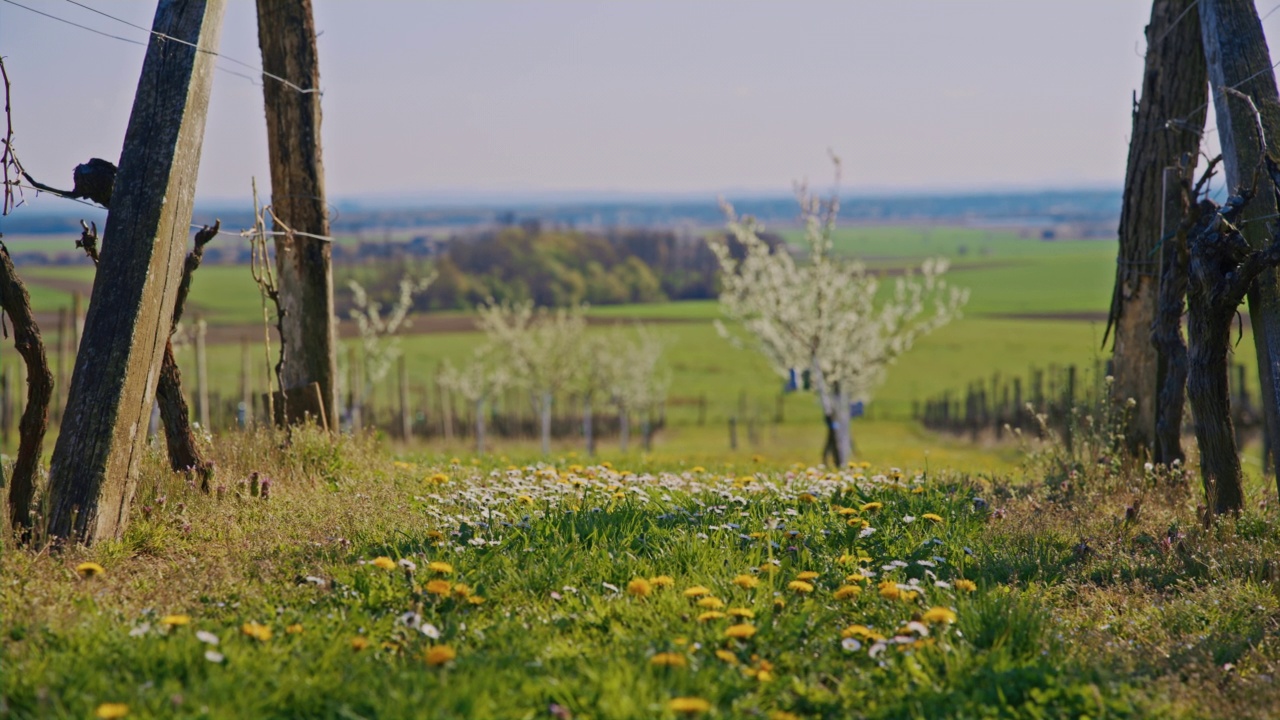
{"type": "Point", "coordinates": [287, 38]}
{"type": "Point", "coordinates": [355, 387]}
{"type": "Point", "coordinates": [406, 420]}
{"type": "Point", "coordinates": [93, 473]}
{"type": "Point", "coordinates": [63, 353]}
{"type": "Point", "coordinates": [1238, 58]}
{"type": "Point", "coordinates": [1173, 86]}
{"type": "Point", "coordinates": [202, 374]}
{"type": "Point", "coordinates": [77, 320]}
{"type": "Point", "coordinates": [246, 383]}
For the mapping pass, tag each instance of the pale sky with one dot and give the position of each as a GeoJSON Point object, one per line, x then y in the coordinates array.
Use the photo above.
{"type": "Point", "coordinates": [503, 98]}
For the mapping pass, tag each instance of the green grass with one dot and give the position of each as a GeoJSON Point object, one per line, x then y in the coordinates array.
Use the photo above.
{"type": "Point", "coordinates": [1133, 626]}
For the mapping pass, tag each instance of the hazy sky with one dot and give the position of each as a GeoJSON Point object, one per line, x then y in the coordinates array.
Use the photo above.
{"type": "Point", "coordinates": [449, 98]}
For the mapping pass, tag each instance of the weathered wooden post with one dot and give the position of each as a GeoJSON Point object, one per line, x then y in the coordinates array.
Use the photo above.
{"type": "Point", "coordinates": [1237, 55]}
{"type": "Point", "coordinates": [287, 38]}
{"type": "Point", "coordinates": [77, 320]}
{"type": "Point", "coordinates": [246, 383]}
{"type": "Point", "coordinates": [95, 462]}
{"type": "Point", "coordinates": [63, 353]}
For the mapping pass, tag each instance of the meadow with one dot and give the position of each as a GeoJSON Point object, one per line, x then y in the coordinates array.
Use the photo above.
{"type": "Point", "coordinates": [331, 580]}
{"type": "Point", "coordinates": [932, 578]}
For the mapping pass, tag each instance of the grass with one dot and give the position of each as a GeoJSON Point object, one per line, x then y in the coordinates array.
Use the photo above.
{"type": "Point", "coordinates": [1073, 611]}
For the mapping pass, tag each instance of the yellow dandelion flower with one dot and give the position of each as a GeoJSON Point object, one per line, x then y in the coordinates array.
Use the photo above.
{"type": "Point", "coordinates": [258, 632]}
{"type": "Point", "coordinates": [856, 631]}
{"type": "Point", "coordinates": [475, 600]}
{"type": "Point", "coordinates": [966, 585]}
{"type": "Point", "coordinates": [808, 575]}
{"type": "Point", "coordinates": [462, 591]}
{"type": "Point", "coordinates": [640, 587]}
{"type": "Point", "coordinates": [697, 470]}
{"type": "Point", "coordinates": [871, 506]}
{"type": "Point", "coordinates": [711, 603]}
{"type": "Point", "coordinates": [933, 517]}
{"type": "Point", "coordinates": [800, 586]}
{"type": "Point", "coordinates": [846, 511]}
{"type": "Point", "coordinates": [909, 596]}
{"type": "Point", "coordinates": [669, 659]}
{"type": "Point", "coordinates": [855, 578]}
{"type": "Point", "coordinates": [525, 500]}
{"type": "Point", "coordinates": [741, 612]}
{"type": "Point", "coordinates": [359, 643]}
{"type": "Point", "coordinates": [294, 629]}
{"type": "Point", "coordinates": [710, 615]}
{"type": "Point", "coordinates": [688, 705]}
{"type": "Point", "coordinates": [848, 592]}
{"type": "Point", "coordinates": [783, 715]}
{"type": "Point", "coordinates": [439, 566]}
{"type": "Point", "coordinates": [440, 654]}
{"type": "Point", "coordinates": [917, 490]}
{"type": "Point", "coordinates": [455, 461]}
{"type": "Point", "coordinates": [88, 570]}
{"type": "Point", "coordinates": [727, 656]}
{"type": "Point", "coordinates": [779, 603]}
{"type": "Point", "coordinates": [438, 478]}
{"type": "Point", "coordinates": [439, 587]}
{"type": "Point", "coordinates": [111, 711]}
{"type": "Point", "coordinates": [746, 582]}
{"type": "Point", "coordinates": [681, 641]}
{"type": "Point", "coordinates": [808, 498]}
{"type": "Point", "coordinates": [939, 615]}
{"type": "Point", "coordinates": [174, 620]}
{"type": "Point", "coordinates": [662, 581]}
{"type": "Point", "coordinates": [858, 523]}
{"type": "Point", "coordinates": [696, 591]}
{"type": "Point", "coordinates": [889, 590]}
{"type": "Point", "coordinates": [385, 562]}
{"type": "Point", "coordinates": [741, 631]}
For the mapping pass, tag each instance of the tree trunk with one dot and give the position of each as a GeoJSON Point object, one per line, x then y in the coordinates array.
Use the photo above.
{"type": "Point", "coordinates": [95, 462]}
{"type": "Point", "coordinates": [35, 418]}
{"type": "Point", "coordinates": [588, 426]}
{"type": "Point", "coordinates": [184, 456]}
{"type": "Point", "coordinates": [1166, 334]}
{"type": "Point", "coordinates": [1221, 270]}
{"type": "Point", "coordinates": [287, 38]}
{"type": "Point", "coordinates": [544, 415]}
{"type": "Point", "coordinates": [480, 427]}
{"type": "Point", "coordinates": [1238, 57]}
{"type": "Point", "coordinates": [1173, 86]}
{"type": "Point", "coordinates": [844, 438]}
{"type": "Point", "coordinates": [624, 428]}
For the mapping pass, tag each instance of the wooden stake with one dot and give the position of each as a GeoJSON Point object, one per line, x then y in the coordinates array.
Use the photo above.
{"type": "Point", "coordinates": [95, 462]}
{"type": "Point", "coordinates": [287, 38]}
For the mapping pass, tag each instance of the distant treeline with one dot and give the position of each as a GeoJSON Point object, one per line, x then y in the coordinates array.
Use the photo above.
{"type": "Point", "coordinates": [555, 268]}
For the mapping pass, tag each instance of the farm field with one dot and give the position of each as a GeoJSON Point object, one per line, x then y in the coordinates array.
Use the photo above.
{"type": "Point", "coordinates": [356, 585]}
{"type": "Point", "coordinates": [1032, 303]}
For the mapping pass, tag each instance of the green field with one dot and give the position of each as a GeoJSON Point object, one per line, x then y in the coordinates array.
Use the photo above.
{"type": "Point", "coordinates": [1032, 303]}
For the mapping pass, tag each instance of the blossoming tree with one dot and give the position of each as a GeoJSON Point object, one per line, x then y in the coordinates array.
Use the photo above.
{"type": "Point", "coordinates": [538, 348]}
{"type": "Point", "coordinates": [825, 319]}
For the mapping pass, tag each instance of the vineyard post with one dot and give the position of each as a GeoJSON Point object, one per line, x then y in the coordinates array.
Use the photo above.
{"type": "Point", "coordinates": [93, 473]}
{"type": "Point", "coordinates": [287, 38]}
{"type": "Point", "coordinates": [1238, 58]}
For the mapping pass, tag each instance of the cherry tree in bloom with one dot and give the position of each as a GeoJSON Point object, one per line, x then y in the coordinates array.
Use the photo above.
{"type": "Point", "coordinates": [538, 349]}
{"type": "Point", "coordinates": [823, 322]}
